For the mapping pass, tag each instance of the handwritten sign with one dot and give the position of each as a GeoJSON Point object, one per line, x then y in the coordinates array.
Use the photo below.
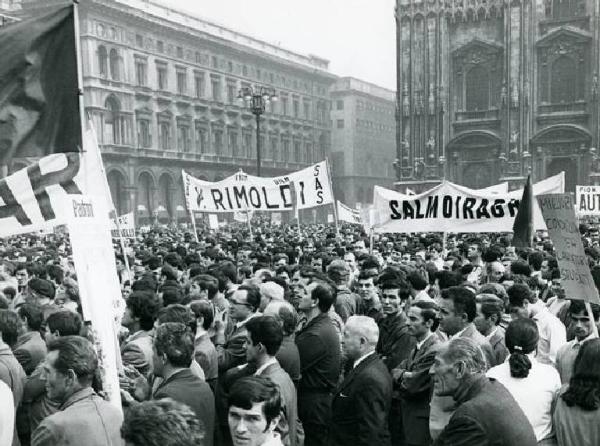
{"type": "Point", "coordinates": [558, 211]}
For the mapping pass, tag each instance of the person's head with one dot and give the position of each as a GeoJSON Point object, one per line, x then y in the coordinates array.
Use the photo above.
{"type": "Point", "coordinates": [244, 302]}
{"type": "Point", "coordinates": [141, 311]}
{"type": "Point", "coordinates": [521, 340]}
{"type": "Point", "coordinates": [474, 251]}
{"type": "Point", "coordinates": [495, 271]}
{"type": "Point", "coordinates": [270, 291]}
{"type": "Point", "coordinates": [32, 316]}
{"type": "Point", "coordinates": [254, 406]}
{"type": "Point", "coordinates": [455, 362]}
{"type": "Point", "coordinates": [204, 286]}
{"type": "Point", "coordinates": [177, 313]}
{"type": "Point", "coordinates": [457, 309]}
{"type": "Point", "coordinates": [9, 327]}
{"type": "Point", "coordinates": [519, 299]}
{"type": "Point", "coordinates": [417, 281]}
{"type": "Point", "coordinates": [265, 335]}
{"type": "Point", "coordinates": [581, 324]}
{"type": "Point", "coordinates": [394, 295]}
{"type": "Point", "coordinates": [62, 323]}
{"type": "Point", "coordinates": [339, 272]}
{"type": "Point", "coordinates": [535, 260]}
{"type": "Point", "coordinates": [422, 319]}
{"type": "Point", "coordinates": [204, 313]}
{"type": "Point", "coordinates": [173, 347]}
{"type": "Point", "coordinates": [40, 289]}
{"type": "Point", "coordinates": [360, 336]}
{"type": "Point", "coordinates": [350, 260]}
{"type": "Point", "coordinates": [489, 313]}
{"type": "Point", "coordinates": [366, 286]}
{"type": "Point", "coordinates": [318, 296]}
{"type": "Point", "coordinates": [162, 423]}
{"type": "Point", "coordinates": [22, 274]}
{"type": "Point", "coordinates": [584, 387]}
{"type": "Point", "coordinates": [285, 313]}
{"type": "Point", "coordinates": [69, 367]}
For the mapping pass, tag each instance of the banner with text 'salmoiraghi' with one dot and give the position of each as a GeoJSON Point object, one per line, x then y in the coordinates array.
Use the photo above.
{"type": "Point", "coordinates": [39, 102]}
{"type": "Point", "coordinates": [449, 207]}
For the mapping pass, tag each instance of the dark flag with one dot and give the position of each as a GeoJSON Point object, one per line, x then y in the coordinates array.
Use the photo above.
{"type": "Point", "coordinates": [523, 225]}
{"type": "Point", "coordinates": [39, 103]}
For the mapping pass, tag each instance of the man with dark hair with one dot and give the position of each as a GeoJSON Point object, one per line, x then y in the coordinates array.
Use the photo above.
{"type": "Point", "coordinates": [30, 348]}
{"type": "Point", "coordinates": [553, 335]}
{"type": "Point", "coordinates": [173, 350]}
{"type": "Point", "coordinates": [162, 423]}
{"type": "Point", "coordinates": [84, 417]}
{"type": "Point", "coordinates": [287, 355]}
{"type": "Point", "coordinates": [582, 328]}
{"type": "Point", "coordinates": [254, 407]}
{"type": "Point", "coordinates": [62, 323]}
{"type": "Point", "coordinates": [230, 345]}
{"type": "Point", "coordinates": [346, 302]}
{"type": "Point", "coordinates": [370, 304]}
{"type": "Point", "coordinates": [489, 315]}
{"type": "Point", "coordinates": [265, 335]}
{"type": "Point", "coordinates": [458, 309]}
{"type": "Point", "coordinates": [459, 373]}
{"type": "Point", "coordinates": [140, 313]}
{"type": "Point", "coordinates": [42, 293]}
{"type": "Point", "coordinates": [418, 287]}
{"type": "Point", "coordinates": [205, 352]}
{"type": "Point", "coordinates": [411, 378]}
{"type": "Point", "coordinates": [320, 358]}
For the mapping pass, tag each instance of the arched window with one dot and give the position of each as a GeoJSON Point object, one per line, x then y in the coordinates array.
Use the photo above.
{"type": "Point", "coordinates": [117, 184]}
{"type": "Point", "coordinates": [478, 89]}
{"type": "Point", "coordinates": [102, 61]}
{"type": "Point", "coordinates": [165, 186]}
{"type": "Point", "coordinates": [112, 122]}
{"type": "Point", "coordinates": [145, 192]}
{"type": "Point", "coordinates": [563, 83]}
{"type": "Point", "coordinates": [114, 65]}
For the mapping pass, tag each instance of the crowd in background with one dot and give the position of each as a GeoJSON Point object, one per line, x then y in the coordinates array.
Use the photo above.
{"type": "Point", "coordinates": [303, 336]}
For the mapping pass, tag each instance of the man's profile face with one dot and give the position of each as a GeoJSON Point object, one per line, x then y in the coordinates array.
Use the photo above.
{"type": "Point", "coordinates": [248, 427]}
{"type": "Point", "coordinates": [57, 383]}
{"type": "Point", "coordinates": [445, 380]}
{"type": "Point", "coordinates": [351, 343]}
{"type": "Point", "coordinates": [450, 322]}
{"type": "Point", "coordinates": [416, 323]}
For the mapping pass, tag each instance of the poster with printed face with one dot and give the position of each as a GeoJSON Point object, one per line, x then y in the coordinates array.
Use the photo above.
{"type": "Point", "coordinates": [559, 215]}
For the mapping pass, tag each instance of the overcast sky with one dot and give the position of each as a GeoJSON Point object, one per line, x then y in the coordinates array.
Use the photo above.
{"type": "Point", "coordinates": [356, 36]}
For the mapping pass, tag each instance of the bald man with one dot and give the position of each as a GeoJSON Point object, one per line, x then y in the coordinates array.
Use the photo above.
{"type": "Point", "coordinates": [361, 404]}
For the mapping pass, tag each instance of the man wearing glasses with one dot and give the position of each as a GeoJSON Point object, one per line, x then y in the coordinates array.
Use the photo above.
{"type": "Point", "coordinates": [244, 302]}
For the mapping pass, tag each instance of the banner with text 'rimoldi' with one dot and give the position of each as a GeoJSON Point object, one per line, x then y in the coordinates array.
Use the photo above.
{"type": "Point", "coordinates": [303, 189]}
{"type": "Point", "coordinates": [449, 207]}
{"type": "Point", "coordinates": [559, 215]}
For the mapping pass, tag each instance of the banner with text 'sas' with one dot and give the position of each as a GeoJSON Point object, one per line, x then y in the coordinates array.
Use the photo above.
{"type": "Point", "coordinates": [576, 279]}
{"type": "Point", "coordinates": [587, 200]}
{"type": "Point", "coordinates": [303, 189]}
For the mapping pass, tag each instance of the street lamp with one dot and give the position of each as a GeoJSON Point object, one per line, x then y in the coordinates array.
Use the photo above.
{"type": "Point", "coordinates": [257, 101]}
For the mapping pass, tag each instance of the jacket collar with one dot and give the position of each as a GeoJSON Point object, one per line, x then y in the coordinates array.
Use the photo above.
{"type": "Point", "coordinates": [469, 388]}
{"type": "Point", "coordinates": [80, 395]}
{"type": "Point", "coordinates": [26, 337]}
{"type": "Point", "coordinates": [360, 367]}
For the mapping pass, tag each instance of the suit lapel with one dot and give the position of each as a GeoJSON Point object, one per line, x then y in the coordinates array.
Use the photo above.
{"type": "Point", "coordinates": [355, 370]}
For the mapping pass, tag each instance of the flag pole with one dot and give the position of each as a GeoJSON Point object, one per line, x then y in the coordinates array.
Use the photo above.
{"type": "Point", "coordinates": [335, 213]}
{"type": "Point", "coordinates": [79, 70]}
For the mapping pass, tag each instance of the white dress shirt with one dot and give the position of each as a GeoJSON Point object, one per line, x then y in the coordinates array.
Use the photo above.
{"type": "Point", "coordinates": [534, 394]}
{"type": "Point", "coordinates": [553, 335]}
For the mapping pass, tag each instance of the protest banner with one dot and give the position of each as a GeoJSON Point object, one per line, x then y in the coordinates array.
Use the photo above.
{"type": "Point", "coordinates": [241, 192]}
{"type": "Point", "coordinates": [242, 216]}
{"type": "Point", "coordinates": [587, 200]}
{"type": "Point", "coordinates": [213, 221]}
{"type": "Point", "coordinates": [124, 223]}
{"type": "Point", "coordinates": [559, 215]}
{"type": "Point", "coordinates": [449, 207]}
{"type": "Point", "coordinates": [347, 214]}
{"type": "Point", "coordinates": [99, 289]}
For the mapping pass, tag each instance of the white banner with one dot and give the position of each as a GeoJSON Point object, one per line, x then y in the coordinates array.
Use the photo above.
{"type": "Point", "coordinates": [126, 224]}
{"type": "Point", "coordinates": [213, 221]}
{"type": "Point", "coordinates": [99, 289]}
{"type": "Point", "coordinates": [242, 216]}
{"type": "Point", "coordinates": [241, 192]}
{"type": "Point", "coordinates": [276, 218]}
{"type": "Point", "coordinates": [347, 214]}
{"type": "Point", "coordinates": [588, 200]}
{"type": "Point", "coordinates": [449, 207]}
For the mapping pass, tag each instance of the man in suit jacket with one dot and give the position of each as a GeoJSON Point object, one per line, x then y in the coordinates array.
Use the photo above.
{"type": "Point", "coordinates": [230, 348]}
{"type": "Point", "coordinates": [287, 355]}
{"type": "Point", "coordinates": [412, 380]}
{"type": "Point", "coordinates": [458, 309]}
{"type": "Point", "coordinates": [459, 372]}
{"type": "Point", "coordinates": [174, 347]}
{"type": "Point", "coordinates": [83, 417]}
{"type": "Point", "coordinates": [489, 315]}
{"type": "Point", "coordinates": [362, 402]}
{"type": "Point", "coordinates": [30, 348]}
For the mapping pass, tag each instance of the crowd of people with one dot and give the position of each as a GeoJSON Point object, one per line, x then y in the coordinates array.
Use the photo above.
{"type": "Point", "coordinates": [303, 336]}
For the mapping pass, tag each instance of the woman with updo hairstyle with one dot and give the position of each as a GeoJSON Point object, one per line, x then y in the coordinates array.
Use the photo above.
{"type": "Point", "coordinates": [532, 384]}
{"type": "Point", "coordinates": [577, 413]}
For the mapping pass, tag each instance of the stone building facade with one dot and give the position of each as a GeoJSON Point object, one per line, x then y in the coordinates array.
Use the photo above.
{"type": "Point", "coordinates": [363, 141]}
{"type": "Point", "coordinates": [161, 88]}
{"type": "Point", "coordinates": [490, 91]}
